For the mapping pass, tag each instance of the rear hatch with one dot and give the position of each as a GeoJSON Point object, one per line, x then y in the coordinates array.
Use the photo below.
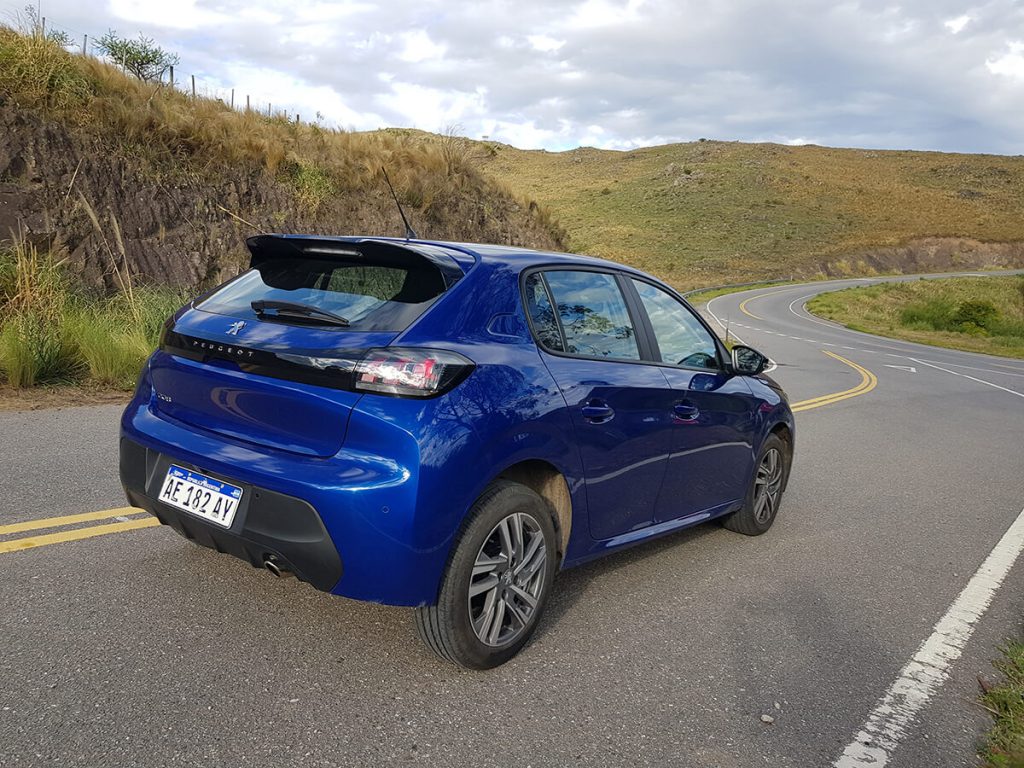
{"type": "Point", "coordinates": [267, 358]}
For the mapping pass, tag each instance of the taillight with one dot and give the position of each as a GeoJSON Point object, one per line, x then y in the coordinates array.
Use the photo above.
{"type": "Point", "coordinates": [410, 372]}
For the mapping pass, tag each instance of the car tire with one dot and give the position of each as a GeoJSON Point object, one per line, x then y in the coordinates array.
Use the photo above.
{"type": "Point", "coordinates": [764, 496]}
{"type": "Point", "coordinates": [497, 581]}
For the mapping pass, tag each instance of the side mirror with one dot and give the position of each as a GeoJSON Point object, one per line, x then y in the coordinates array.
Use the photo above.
{"type": "Point", "coordinates": [747, 361]}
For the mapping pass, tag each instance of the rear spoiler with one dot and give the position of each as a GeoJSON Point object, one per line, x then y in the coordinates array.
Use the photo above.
{"type": "Point", "coordinates": [263, 248]}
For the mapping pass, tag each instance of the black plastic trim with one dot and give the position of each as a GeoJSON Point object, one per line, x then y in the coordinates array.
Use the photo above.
{"type": "Point", "coordinates": [267, 525]}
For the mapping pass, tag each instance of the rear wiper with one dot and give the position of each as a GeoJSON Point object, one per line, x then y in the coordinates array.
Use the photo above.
{"type": "Point", "coordinates": [292, 309]}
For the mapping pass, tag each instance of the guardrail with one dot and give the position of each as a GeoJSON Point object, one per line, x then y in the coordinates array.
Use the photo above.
{"type": "Point", "coordinates": [695, 291]}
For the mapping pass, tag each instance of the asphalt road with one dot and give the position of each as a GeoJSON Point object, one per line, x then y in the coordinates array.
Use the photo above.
{"type": "Point", "coordinates": [138, 648]}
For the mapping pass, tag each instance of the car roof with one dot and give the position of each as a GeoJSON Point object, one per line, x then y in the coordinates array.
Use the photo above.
{"type": "Point", "coordinates": [507, 254]}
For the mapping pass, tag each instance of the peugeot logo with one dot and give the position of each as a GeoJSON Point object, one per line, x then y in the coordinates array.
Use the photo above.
{"type": "Point", "coordinates": [236, 327]}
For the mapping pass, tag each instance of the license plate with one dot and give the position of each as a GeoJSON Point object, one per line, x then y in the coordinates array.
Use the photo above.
{"type": "Point", "coordinates": [200, 495]}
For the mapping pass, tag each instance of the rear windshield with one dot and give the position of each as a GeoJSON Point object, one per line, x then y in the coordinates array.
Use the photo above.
{"type": "Point", "coordinates": [372, 297]}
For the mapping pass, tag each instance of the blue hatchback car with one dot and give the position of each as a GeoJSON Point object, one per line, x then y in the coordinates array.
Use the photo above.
{"type": "Point", "coordinates": [446, 426]}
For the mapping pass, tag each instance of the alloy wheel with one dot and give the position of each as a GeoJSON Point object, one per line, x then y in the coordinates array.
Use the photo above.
{"type": "Point", "coordinates": [508, 576]}
{"type": "Point", "coordinates": [768, 486]}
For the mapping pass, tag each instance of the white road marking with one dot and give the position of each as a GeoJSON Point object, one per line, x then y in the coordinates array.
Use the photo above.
{"type": "Point", "coordinates": [965, 376]}
{"type": "Point", "coordinates": [909, 368]}
{"type": "Point", "coordinates": [961, 365]}
{"type": "Point", "coordinates": [771, 363]}
{"type": "Point", "coordinates": [925, 673]}
{"type": "Point", "coordinates": [807, 315]}
{"type": "Point", "coordinates": [725, 327]}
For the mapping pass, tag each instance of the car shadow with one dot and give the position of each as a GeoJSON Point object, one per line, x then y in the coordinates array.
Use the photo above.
{"type": "Point", "coordinates": [572, 586]}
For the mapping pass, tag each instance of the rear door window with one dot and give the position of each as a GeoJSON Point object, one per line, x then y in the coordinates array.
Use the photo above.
{"type": "Point", "coordinates": [372, 297]}
{"type": "Point", "coordinates": [592, 315]}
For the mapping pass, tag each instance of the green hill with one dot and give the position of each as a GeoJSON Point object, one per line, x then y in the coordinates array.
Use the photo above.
{"type": "Point", "coordinates": [712, 212]}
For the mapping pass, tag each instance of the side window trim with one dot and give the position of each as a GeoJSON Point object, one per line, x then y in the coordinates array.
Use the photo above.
{"type": "Point", "coordinates": [641, 323]}
{"type": "Point", "coordinates": [720, 353]}
{"type": "Point", "coordinates": [554, 310]}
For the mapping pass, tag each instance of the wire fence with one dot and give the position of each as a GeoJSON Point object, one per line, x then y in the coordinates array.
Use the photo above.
{"type": "Point", "coordinates": [86, 44]}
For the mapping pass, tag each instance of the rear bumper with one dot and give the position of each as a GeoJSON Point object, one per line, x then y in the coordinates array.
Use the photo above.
{"type": "Point", "coordinates": [268, 525]}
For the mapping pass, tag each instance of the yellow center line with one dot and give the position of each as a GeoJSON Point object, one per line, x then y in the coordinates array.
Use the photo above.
{"type": "Point", "coordinates": [747, 312]}
{"type": "Point", "coordinates": [57, 522]}
{"type": "Point", "coordinates": [867, 383]}
{"type": "Point", "coordinates": [30, 542]}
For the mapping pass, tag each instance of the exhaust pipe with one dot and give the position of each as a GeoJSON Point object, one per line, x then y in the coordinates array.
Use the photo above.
{"type": "Point", "coordinates": [271, 565]}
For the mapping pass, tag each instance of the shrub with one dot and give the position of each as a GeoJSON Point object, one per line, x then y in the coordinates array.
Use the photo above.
{"type": "Point", "coordinates": [932, 314]}
{"type": "Point", "coordinates": [980, 314]}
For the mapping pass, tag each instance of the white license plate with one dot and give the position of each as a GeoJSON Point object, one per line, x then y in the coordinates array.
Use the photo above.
{"type": "Point", "coordinates": [200, 495]}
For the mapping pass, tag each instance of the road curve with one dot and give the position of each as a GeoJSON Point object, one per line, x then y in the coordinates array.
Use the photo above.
{"type": "Point", "coordinates": [703, 649]}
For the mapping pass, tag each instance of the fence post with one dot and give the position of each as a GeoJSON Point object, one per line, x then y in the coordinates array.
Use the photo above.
{"type": "Point", "coordinates": [85, 45]}
{"type": "Point", "coordinates": [193, 86]}
{"type": "Point", "coordinates": [172, 75]}
{"type": "Point", "coordinates": [44, 27]}
{"type": "Point", "coordinates": [232, 98]}
{"type": "Point", "coordinates": [296, 118]}
{"type": "Point", "coordinates": [247, 107]}
{"type": "Point", "coordinates": [269, 110]}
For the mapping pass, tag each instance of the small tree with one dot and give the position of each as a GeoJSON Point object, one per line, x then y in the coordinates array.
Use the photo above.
{"type": "Point", "coordinates": [142, 57]}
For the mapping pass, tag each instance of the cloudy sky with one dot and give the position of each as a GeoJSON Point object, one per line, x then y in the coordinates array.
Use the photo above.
{"type": "Point", "coordinates": [922, 74]}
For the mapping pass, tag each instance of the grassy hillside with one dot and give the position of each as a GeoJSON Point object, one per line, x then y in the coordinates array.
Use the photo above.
{"type": "Point", "coordinates": [976, 314]}
{"type": "Point", "coordinates": [709, 212]}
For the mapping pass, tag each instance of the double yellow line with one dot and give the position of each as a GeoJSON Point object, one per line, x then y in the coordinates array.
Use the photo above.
{"type": "Point", "coordinates": [74, 534]}
{"type": "Point", "coordinates": [868, 381]}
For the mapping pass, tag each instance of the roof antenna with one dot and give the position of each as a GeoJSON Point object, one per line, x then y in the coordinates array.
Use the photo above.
{"type": "Point", "coordinates": [410, 233]}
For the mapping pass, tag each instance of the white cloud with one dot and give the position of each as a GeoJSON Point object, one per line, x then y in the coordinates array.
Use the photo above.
{"type": "Point", "coordinates": [544, 43]}
{"type": "Point", "coordinates": [291, 95]}
{"type": "Point", "coordinates": [1010, 63]}
{"type": "Point", "coordinates": [184, 14]}
{"type": "Point", "coordinates": [417, 46]}
{"type": "Point", "coordinates": [604, 13]}
{"type": "Point", "coordinates": [957, 25]}
{"type": "Point", "coordinates": [432, 109]}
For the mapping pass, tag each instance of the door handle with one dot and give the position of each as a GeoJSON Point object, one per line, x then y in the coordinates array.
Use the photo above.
{"type": "Point", "coordinates": [685, 412]}
{"type": "Point", "coordinates": [597, 412]}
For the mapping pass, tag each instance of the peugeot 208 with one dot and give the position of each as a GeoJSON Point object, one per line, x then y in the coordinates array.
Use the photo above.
{"type": "Point", "coordinates": [445, 426]}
